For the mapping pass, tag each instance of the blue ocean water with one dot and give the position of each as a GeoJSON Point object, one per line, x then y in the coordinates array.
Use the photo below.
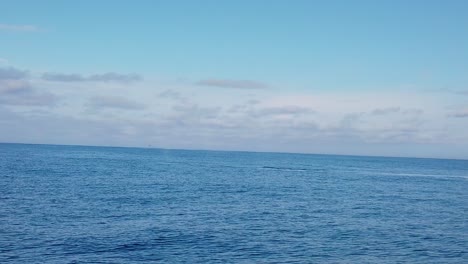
{"type": "Point", "coordinates": [74, 204]}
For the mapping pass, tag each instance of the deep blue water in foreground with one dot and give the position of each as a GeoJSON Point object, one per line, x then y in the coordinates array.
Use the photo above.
{"type": "Point", "coordinates": [72, 204]}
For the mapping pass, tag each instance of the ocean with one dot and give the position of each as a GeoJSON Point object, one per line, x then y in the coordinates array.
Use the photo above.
{"type": "Point", "coordinates": [77, 204]}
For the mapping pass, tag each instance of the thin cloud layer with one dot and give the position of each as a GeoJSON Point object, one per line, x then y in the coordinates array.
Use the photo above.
{"type": "Point", "coordinates": [234, 84]}
{"type": "Point", "coordinates": [14, 86]}
{"type": "Point", "coordinates": [105, 77]}
{"type": "Point", "coordinates": [385, 111]}
{"type": "Point", "coordinates": [284, 110]}
{"type": "Point", "coordinates": [116, 102]}
{"type": "Point", "coordinates": [114, 77]}
{"type": "Point", "coordinates": [20, 92]}
{"type": "Point", "coordinates": [12, 74]}
{"type": "Point", "coordinates": [170, 94]}
{"type": "Point", "coordinates": [61, 77]}
{"type": "Point", "coordinates": [463, 92]}
{"type": "Point", "coordinates": [19, 28]}
{"type": "Point", "coordinates": [29, 98]}
{"type": "Point", "coordinates": [459, 114]}
{"type": "Point", "coordinates": [16, 89]}
{"type": "Point", "coordinates": [4, 61]}
{"type": "Point", "coordinates": [454, 91]}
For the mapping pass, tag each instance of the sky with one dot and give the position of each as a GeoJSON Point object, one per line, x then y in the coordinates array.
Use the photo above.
{"type": "Point", "coordinates": [385, 78]}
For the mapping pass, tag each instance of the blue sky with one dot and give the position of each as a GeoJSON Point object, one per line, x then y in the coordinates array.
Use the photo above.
{"type": "Point", "coordinates": [345, 77]}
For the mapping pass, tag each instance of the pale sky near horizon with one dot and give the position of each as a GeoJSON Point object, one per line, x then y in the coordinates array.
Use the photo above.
{"type": "Point", "coordinates": [335, 77]}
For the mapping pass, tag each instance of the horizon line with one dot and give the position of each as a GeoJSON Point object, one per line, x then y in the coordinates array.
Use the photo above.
{"type": "Point", "coordinates": [244, 151]}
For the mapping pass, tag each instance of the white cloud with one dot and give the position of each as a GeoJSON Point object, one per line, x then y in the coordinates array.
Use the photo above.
{"type": "Point", "coordinates": [179, 116]}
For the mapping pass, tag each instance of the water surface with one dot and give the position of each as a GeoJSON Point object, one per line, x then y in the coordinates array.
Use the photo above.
{"type": "Point", "coordinates": [73, 204]}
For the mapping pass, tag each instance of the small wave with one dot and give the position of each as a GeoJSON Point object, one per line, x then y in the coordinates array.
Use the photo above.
{"type": "Point", "coordinates": [283, 168]}
{"type": "Point", "coordinates": [424, 175]}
